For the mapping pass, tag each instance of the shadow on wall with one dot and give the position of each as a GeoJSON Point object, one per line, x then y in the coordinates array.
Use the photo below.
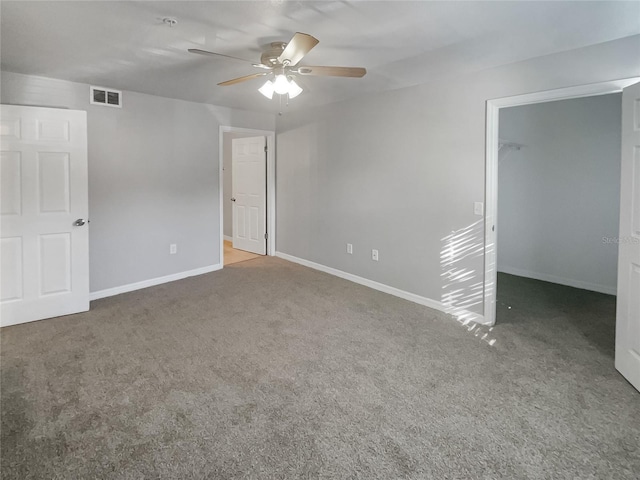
{"type": "Point", "coordinates": [463, 287]}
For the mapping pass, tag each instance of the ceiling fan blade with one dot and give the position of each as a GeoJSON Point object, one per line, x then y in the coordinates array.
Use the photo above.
{"type": "Point", "coordinates": [299, 45]}
{"type": "Point", "coordinates": [214, 54]}
{"type": "Point", "coordinates": [242, 79]}
{"type": "Point", "coordinates": [355, 72]}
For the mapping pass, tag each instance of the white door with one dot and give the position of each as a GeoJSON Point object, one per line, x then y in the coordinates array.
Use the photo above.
{"type": "Point", "coordinates": [249, 196]}
{"type": "Point", "coordinates": [44, 255]}
{"type": "Point", "coordinates": [628, 302]}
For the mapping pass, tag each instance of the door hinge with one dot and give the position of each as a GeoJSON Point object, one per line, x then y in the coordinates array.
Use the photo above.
{"type": "Point", "coordinates": [266, 236]}
{"type": "Point", "coordinates": [265, 148]}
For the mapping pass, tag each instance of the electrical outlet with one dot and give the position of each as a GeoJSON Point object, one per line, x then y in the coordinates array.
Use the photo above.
{"type": "Point", "coordinates": [173, 249]}
{"type": "Point", "coordinates": [374, 255]}
{"type": "Point", "coordinates": [350, 248]}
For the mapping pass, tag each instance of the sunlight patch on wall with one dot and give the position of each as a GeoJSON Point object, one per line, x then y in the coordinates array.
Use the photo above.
{"type": "Point", "coordinates": [463, 287]}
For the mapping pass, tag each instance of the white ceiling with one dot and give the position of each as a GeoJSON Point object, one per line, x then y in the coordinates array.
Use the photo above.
{"type": "Point", "coordinates": [125, 45]}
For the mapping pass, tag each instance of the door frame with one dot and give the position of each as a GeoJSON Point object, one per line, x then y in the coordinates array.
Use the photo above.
{"type": "Point", "coordinates": [491, 170]}
{"type": "Point", "coordinates": [271, 183]}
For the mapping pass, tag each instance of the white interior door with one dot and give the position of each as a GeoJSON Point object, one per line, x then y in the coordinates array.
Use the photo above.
{"type": "Point", "coordinates": [249, 194]}
{"type": "Point", "coordinates": [44, 255]}
{"type": "Point", "coordinates": [628, 302]}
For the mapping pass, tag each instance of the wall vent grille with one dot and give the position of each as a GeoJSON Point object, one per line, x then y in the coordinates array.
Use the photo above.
{"type": "Point", "coordinates": [106, 97]}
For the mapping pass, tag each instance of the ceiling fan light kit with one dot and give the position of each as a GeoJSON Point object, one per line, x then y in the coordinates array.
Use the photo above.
{"type": "Point", "coordinates": [267, 89]}
{"type": "Point", "coordinates": [281, 59]}
{"type": "Point", "coordinates": [281, 86]}
{"type": "Point", "coordinates": [294, 89]}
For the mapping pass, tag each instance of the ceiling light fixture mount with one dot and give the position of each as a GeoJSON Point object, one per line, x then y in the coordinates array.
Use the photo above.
{"type": "Point", "coordinates": [170, 21]}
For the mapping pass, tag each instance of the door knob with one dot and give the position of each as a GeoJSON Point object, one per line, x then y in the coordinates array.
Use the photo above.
{"type": "Point", "coordinates": [233, 199]}
{"type": "Point", "coordinates": [79, 222]}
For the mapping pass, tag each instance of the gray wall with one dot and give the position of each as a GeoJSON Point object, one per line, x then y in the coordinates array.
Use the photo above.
{"type": "Point", "coordinates": [400, 171]}
{"type": "Point", "coordinates": [153, 177]}
{"type": "Point", "coordinates": [560, 195]}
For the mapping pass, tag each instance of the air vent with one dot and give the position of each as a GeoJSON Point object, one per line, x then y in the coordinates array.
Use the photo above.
{"type": "Point", "coordinates": [106, 97]}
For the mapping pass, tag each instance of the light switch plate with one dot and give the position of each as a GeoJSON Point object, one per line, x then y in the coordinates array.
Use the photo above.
{"type": "Point", "coordinates": [478, 208]}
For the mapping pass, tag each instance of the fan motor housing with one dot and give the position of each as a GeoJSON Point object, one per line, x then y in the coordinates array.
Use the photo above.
{"type": "Point", "coordinates": [271, 54]}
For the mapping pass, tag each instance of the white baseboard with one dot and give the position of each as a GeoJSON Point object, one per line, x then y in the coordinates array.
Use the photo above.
{"type": "Point", "coordinates": [228, 238]}
{"type": "Point", "coordinates": [109, 292]}
{"type": "Point", "coordinates": [594, 287]}
{"type": "Point", "coordinates": [463, 316]}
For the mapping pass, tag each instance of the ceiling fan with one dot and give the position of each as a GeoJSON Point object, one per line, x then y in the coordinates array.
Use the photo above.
{"type": "Point", "coordinates": [281, 60]}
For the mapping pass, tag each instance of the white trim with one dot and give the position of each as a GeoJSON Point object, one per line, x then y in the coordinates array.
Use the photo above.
{"type": "Point", "coordinates": [490, 210]}
{"type": "Point", "coordinates": [271, 184]}
{"type": "Point", "coordinates": [594, 287]}
{"type": "Point", "coordinates": [491, 168]}
{"type": "Point", "coordinates": [109, 292]}
{"type": "Point", "coordinates": [227, 238]}
{"type": "Point", "coordinates": [463, 316]}
{"type": "Point", "coordinates": [578, 91]}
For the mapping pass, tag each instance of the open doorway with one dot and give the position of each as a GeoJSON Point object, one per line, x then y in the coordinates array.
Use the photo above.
{"type": "Point", "coordinates": [246, 200]}
{"type": "Point", "coordinates": [627, 309]}
{"type": "Point", "coordinates": [559, 209]}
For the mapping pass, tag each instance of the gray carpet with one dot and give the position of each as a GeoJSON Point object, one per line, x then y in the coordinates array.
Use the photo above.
{"type": "Point", "coordinates": [310, 376]}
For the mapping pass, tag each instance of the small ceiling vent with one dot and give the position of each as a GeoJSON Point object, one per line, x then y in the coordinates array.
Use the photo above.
{"type": "Point", "coordinates": [106, 97]}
